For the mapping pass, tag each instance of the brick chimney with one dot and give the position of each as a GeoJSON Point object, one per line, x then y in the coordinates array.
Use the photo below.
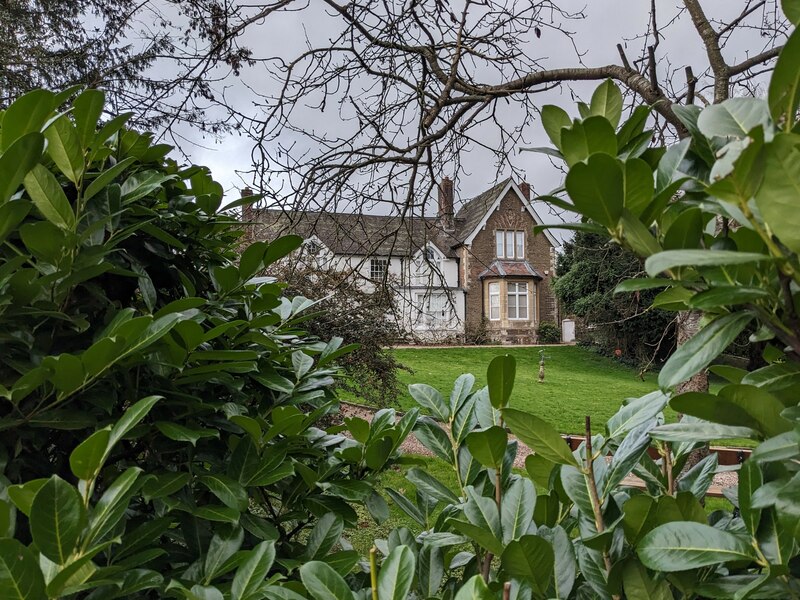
{"type": "Point", "coordinates": [525, 188]}
{"type": "Point", "coordinates": [248, 212]}
{"type": "Point", "coordinates": [446, 211]}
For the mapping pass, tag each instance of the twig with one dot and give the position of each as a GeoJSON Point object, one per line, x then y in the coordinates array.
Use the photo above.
{"type": "Point", "coordinates": [691, 82]}
{"type": "Point", "coordinates": [599, 523]}
{"type": "Point", "coordinates": [373, 571]}
{"type": "Point", "coordinates": [623, 57]}
{"type": "Point", "coordinates": [668, 469]}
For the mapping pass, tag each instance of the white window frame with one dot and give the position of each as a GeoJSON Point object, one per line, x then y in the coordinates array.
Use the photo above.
{"type": "Point", "coordinates": [494, 292]}
{"type": "Point", "coordinates": [378, 268]}
{"type": "Point", "coordinates": [426, 266]}
{"type": "Point", "coordinates": [520, 300]}
{"type": "Point", "coordinates": [519, 246]}
{"type": "Point", "coordinates": [509, 243]}
{"type": "Point", "coordinates": [426, 317]}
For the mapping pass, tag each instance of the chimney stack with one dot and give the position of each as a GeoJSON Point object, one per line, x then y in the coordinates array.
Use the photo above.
{"type": "Point", "coordinates": [446, 211]}
{"type": "Point", "coordinates": [525, 188]}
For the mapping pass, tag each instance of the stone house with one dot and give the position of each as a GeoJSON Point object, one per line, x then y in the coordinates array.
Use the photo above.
{"type": "Point", "coordinates": [480, 269]}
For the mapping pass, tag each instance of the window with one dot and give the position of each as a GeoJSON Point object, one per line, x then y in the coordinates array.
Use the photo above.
{"type": "Point", "coordinates": [377, 269]}
{"type": "Point", "coordinates": [426, 267]}
{"type": "Point", "coordinates": [517, 301]}
{"type": "Point", "coordinates": [434, 310]}
{"type": "Point", "coordinates": [494, 301]}
{"type": "Point", "coordinates": [510, 244]}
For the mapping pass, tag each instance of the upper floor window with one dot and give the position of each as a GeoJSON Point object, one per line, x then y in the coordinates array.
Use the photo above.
{"type": "Point", "coordinates": [426, 268]}
{"type": "Point", "coordinates": [510, 244]}
{"type": "Point", "coordinates": [377, 269]}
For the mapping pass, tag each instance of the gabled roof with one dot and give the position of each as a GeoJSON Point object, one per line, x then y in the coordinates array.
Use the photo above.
{"type": "Point", "coordinates": [472, 213]}
{"type": "Point", "coordinates": [487, 203]}
{"type": "Point", "coordinates": [390, 235]}
{"type": "Point", "coordinates": [358, 234]}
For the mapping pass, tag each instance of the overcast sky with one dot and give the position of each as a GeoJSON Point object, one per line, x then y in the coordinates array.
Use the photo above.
{"type": "Point", "coordinates": [607, 23]}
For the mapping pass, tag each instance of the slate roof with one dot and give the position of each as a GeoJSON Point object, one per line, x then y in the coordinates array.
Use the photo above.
{"type": "Point", "coordinates": [510, 268]}
{"type": "Point", "coordinates": [471, 214]}
{"type": "Point", "coordinates": [358, 234]}
{"type": "Point", "coordinates": [381, 235]}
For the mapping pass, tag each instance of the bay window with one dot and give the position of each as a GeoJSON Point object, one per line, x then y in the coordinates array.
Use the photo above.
{"type": "Point", "coordinates": [517, 305]}
{"type": "Point", "coordinates": [494, 301]}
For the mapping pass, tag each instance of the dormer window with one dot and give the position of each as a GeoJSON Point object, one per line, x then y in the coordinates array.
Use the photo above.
{"type": "Point", "coordinates": [510, 244]}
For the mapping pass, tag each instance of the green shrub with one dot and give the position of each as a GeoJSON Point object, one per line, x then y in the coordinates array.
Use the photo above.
{"type": "Point", "coordinates": [548, 333]}
{"type": "Point", "coordinates": [159, 403]}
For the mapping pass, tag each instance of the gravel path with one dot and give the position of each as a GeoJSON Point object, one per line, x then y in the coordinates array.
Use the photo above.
{"type": "Point", "coordinates": [413, 446]}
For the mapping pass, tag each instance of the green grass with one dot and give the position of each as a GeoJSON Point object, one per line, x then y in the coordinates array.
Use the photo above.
{"type": "Point", "coordinates": [577, 382]}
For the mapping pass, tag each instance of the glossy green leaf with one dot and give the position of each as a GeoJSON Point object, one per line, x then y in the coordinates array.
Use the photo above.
{"type": "Point", "coordinates": [669, 166]}
{"type": "Point", "coordinates": [64, 147]}
{"type": "Point", "coordinates": [100, 182]}
{"type": "Point", "coordinates": [57, 519]}
{"type": "Point", "coordinates": [670, 259]}
{"type": "Point", "coordinates": [132, 417]}
{"type": "Point", "coordinates": [164, 484]}
{"type": "Point", "coordinates": [681, 546]}
{"type": "Point", "coordinates": [777, 196]}
{"type": "Point", "coordinates": [774, 377]}
{"type": "Point", "coordinates": [474, 589]}
{"type": "Point", "coordinates": [638, 185]}
{"type": "Point", "coordinates": [699, 432]}
{"type": "Point", "coordinates": [11, 215]}
{"type": "Point", "coordinates": [539, 435]}
{"type": "Point", "coordinates": [516, 509]}
{"type": "Point", "coordinates": [597, 188]}
{"type": "Point", "coordinates": [488, 446]}
{"type": "Point", "coordinates": [323, 583]}
{"type": "Point", "coordinates": [281, 247]}
{"type": "Point", "coordinates": [112, 504]}
{"type": "Point", "coordinates": [430, 485]}
{"type": "Point", "coordinates": [500, 379]}
{"type": "Point", "coordinates": [607, 102]}
{"type": "Point", "coordinates": [627, 456]}
{"type": "Point", "coordinates": [434, 438]}
{"type": "Point", "coordinates": [531, 559]}
{"type": "Point", "coordinates": [230, 492]}
{"type": "Point", "coordinates": [225, 543]}
{"type": "Point", "coordinates": [734, 117]}
{"type": "Point", "coordinates": [750, 479]}
{"type": "Point", "coordinates": [87, 459]}
{"type": "Point", "coordinates": [324, 536]}
{"type": "Point", "coordinates": [554, 119]}
{"type": "Point", "coordinates": [784, 86]}
{"type": "Point", "coordinates": [180, 433]}
{"type": "Point", "coordinates": [87, 109]}
{"type": "Point", "coordinates": [697, 353]}
{"type": "Point", "coordinates": [17, 161]}
{"type": "Point", "coordinates": [22, 495]}
{"type": "Point", "coordinates": [48, 196]}
{"type": "Point", "coordinates": [430, 398]}
{"type": "Point", "coordinates": [396, 574]}
{"type": "Point", "coordinates": [251, 574]}
{"type": "Point", "coordinates": [20, 576]}
{"type": "Point", "coordinates": [638, 583]}
{"type": "Point", "coordinates": [25, 115]}
{"type": "Point", "coordinates": [593, 135]}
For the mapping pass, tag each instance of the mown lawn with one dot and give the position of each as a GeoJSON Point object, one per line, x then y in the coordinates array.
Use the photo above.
{"type": "Point", "coordinates": [577, 382]}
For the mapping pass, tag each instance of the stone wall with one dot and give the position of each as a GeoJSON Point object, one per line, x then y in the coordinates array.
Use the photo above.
{"type": "Point", "coordinates": [510, 215]}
